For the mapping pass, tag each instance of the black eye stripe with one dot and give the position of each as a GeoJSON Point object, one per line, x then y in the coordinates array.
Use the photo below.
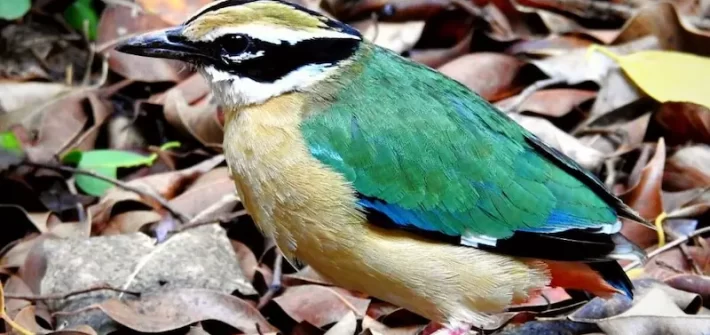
{"type": "Point", "coordinates": [278, 60]}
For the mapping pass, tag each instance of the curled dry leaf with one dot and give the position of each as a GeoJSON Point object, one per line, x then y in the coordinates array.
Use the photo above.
{"type": "Point", "coordinates": [198, 121]}
{"type": "Point", "coordinates": [192, 90]}
{"type": "Point", "coordinates": [645, 198]}
{"type": "Point", "coordinates": [305, 275]}
{"type": "Point", "coordinates": [119, 22]}
{"type": "Point", "coordinates": [587, 157]}
{"type": "Point", "coordinates": [207, 189]}
{"type": "Point", "coordinates": [397, 37]}
{"type": "Point", "coordinates": [162, 183]}
{"type": "Point", "coordinates": [165, 311]}
{"type": "Point", "coordinates": [552, 102]}
{"type": "Point", "coordinates": [697, 284]}
{"type": "Point", "coordinates": [491, 75]}
{"type": "Point", "coordinates": [320, 305]}
{"type": "Point", "coordinates": [661, 20]}
{"type": "Point", "coordinates": [346, 325]}
{"type": "Point", "coordinates": [616, 91]}
{"type": "Point", "coordinates": [62, 123]}
{"type": "Point", "coordinates": [684, 121]}
{"type": "Point", "coordinates": [688, 168]}
{"type": "Point", "coordinates": [247, 260]}
{"type": "Point", "coordinates": [655, 313]}
{"type": "Point", "coordinates": [130, 222]}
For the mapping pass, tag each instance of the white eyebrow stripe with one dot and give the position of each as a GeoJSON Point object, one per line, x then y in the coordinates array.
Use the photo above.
{"type": "Point", "coordinates": [276, 35]}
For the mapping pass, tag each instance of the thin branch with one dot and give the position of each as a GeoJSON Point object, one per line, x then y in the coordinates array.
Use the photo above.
{"type": "Point", "coordinates": [59, 296]}
{"type": "Point", "coordinates": [146, 193]}
{"type": "Point", "coordinates": [529, 91]}
{"type": "Point", "coordinates": [218, 220]}
{"type": "Point", "coordinates": [668, 246]}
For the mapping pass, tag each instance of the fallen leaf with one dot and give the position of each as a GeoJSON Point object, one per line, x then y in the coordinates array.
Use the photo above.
{"type": "Point", "coordinates": [616, 91]}
{"type": "Point", "coordinates": [688, 168]}
{"type": "Point", "coordinates": [397, 37]}
{"type": "Point", "coordinates": [552, 102]}
{"type": "Point", "coordinates": [645, 198]}
{"type": "Point", "coordinates": [578, 65]}
{"type": "Point", "coordinates": [682, 79]}
{"type": "Point", "coordinates": [192, 89]}
{"type": "Point", "coordinates": [684, 121]}
{"type": "Point", "coordinates": [130, 222]}
{"type": "Point", "coordinates": [246, 258]}
{"type": "Point", "coordinates": [691, 283]}
{"type": "Point", "coordinates": [165, 311]}
{"type": "Point", "coordinates": [305, 275]}
{"type": "Point", "coordinates": [661, 20]}
{"type": "Point", "coordinates": [346, 325]}
{"type": "Point", "coordinates": [320, 305]}
{"type": "Point", "coordinates": [164, 184]}
{"type": "Point", "coordinates": [206, 190]}
{"type": "Point", "coordinates": [15, 96]}
{"type": "Point", "coordinates": [587, 157]}
{"type": "Point", "coordinates": [198, 121]}
{"type": "Point", "coordinates": [655, 313]}
{"type": "Point", "coordinates": [491, 75]}
{"type": "Point", "coordinates": [119, 22]}
{"type": "Point", "coordinates": [62, 123]}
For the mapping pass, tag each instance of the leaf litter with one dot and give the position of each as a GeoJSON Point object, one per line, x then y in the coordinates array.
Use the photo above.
{"type": "Point", "coordinates": [157, 240]}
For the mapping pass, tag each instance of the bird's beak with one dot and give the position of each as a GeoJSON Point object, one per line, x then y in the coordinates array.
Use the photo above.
{"type": "Point", "coordinates": [167, 43]}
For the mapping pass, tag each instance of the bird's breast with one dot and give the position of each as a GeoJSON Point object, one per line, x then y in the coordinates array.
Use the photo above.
{"type": "Point", "coordinates": [292, 196]}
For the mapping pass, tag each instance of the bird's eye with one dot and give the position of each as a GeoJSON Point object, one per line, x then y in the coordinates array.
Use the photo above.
{"type": "Point", "coordinates": [234, 44]}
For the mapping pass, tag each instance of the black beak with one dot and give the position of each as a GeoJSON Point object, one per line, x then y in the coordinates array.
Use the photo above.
{"type": "Point", "coordinates": [168, 43]}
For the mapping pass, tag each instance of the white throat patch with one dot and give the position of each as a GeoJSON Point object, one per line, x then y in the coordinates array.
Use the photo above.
{"type": "Point", "coordinates": [233, 90]}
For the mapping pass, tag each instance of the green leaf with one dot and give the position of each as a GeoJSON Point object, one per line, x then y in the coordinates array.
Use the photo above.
{"type": "Point", "coordinates": [9, 142]}
{"type": "Point", "coordinates": [13, 9]}
{"type": "Point", "coordinates": [79, 12]}
{"type": "Point", "coordinates": [105, 163]}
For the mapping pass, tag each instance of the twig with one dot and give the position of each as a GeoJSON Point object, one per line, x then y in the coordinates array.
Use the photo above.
{"type": "Point", "coordinates": [668, 246]}
{"type": "Point", "coordinates": [59, 296]}
{"type": "Point", "coordinates": [376, 23]}
{"type": "Point", "coordinates": [147, 193]}
{"type": "Point", "coordinates": [218, 220]}
{"type": "Point", "coordinates": [275, 281]}
{"type": "Point", "coordinates": [530, 90]}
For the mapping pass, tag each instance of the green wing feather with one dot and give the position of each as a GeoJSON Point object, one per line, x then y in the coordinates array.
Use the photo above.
{"type": "Point", "coordinates": [429, 153]}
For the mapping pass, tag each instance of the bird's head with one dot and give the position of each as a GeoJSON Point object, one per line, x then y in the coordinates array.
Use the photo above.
{"type": "Point", "coordinates": [252, 50]}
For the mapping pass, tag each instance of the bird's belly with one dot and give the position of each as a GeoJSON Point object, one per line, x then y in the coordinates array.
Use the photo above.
{"type": "Point", "coordinates": [438, 281]}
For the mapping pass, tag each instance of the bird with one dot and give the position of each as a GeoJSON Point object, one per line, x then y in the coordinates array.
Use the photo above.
{"type": "Point", "coordinates": [390, 178]}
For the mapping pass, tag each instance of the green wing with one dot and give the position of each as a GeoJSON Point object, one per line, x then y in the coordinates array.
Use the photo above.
{"type": "Point", "coordinates": [428, 154]}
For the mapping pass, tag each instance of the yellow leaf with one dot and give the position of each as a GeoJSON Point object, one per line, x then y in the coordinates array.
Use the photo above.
{"type": "Point", "coordinates": [666, 75]}
{"type": "Point", "coordinates": [635, 273]}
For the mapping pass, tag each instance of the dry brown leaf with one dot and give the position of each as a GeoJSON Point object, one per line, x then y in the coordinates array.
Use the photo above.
{"type": "Point", "coordinates": [684, 121]}
{"type": "Point", "coordinates": [660, 19]}
{"type": "Point", "coordinates": [15, 285]}
{"type": "Point", "coordinates": [397, 37]}
{"type": "Point", "coordinates": [26, 319]}
{"type": "Point", "coordinates": [346, 325]}
{"type": "Point", "coordinates": [165, 311]}
{"type": "Point", "coordinates": [552, 102]}
{"type": "Point", "coordinates": [162, 183]}
{"type": "Point", "coordinates": [130, 222]}
{"type": "Point", "coordinates": [375, 327]}
{"type": "Point", "coordinates": [645, 198]}
{"type": "Point", "coordinates": [585, 156]}
{"type": "Point", "coordinates": [120, 22]}
{"type": "Point", "coordinates": [61, 125]}
{"type": "Point", "coordinates": [549, 46]}
{"type": "Point", "coordinates": [247, 260]}
{"type": "Point", "coordinates": [172, 11]}
{"type": "Point", "coordinates": [688, 168]}
{"type": "Point", "coordinates": [198, 121]}
{"type": "Point", "coordinates": [655, 313]}
{"type": "Point", "coordinates": [491, 75]}
{"type": "Point", "coordinates": [192, 89]}
{"type": "Point", "coordinates": [578, 66]}
{"type": "Point", "coordinates": [100, 111]}
{"type": "Point", "coordinates": [320, 305]}
{"type": "Point", "coordinates": [698, 284]}
{"type": "Point", "coordinates": [18, 95]}
{"type": "Point", "coordinates": [208, 189]}
{"type": "Point", "coordinates": [305, 275]}
{"type": "Point", "coordinates": [616, 91]}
